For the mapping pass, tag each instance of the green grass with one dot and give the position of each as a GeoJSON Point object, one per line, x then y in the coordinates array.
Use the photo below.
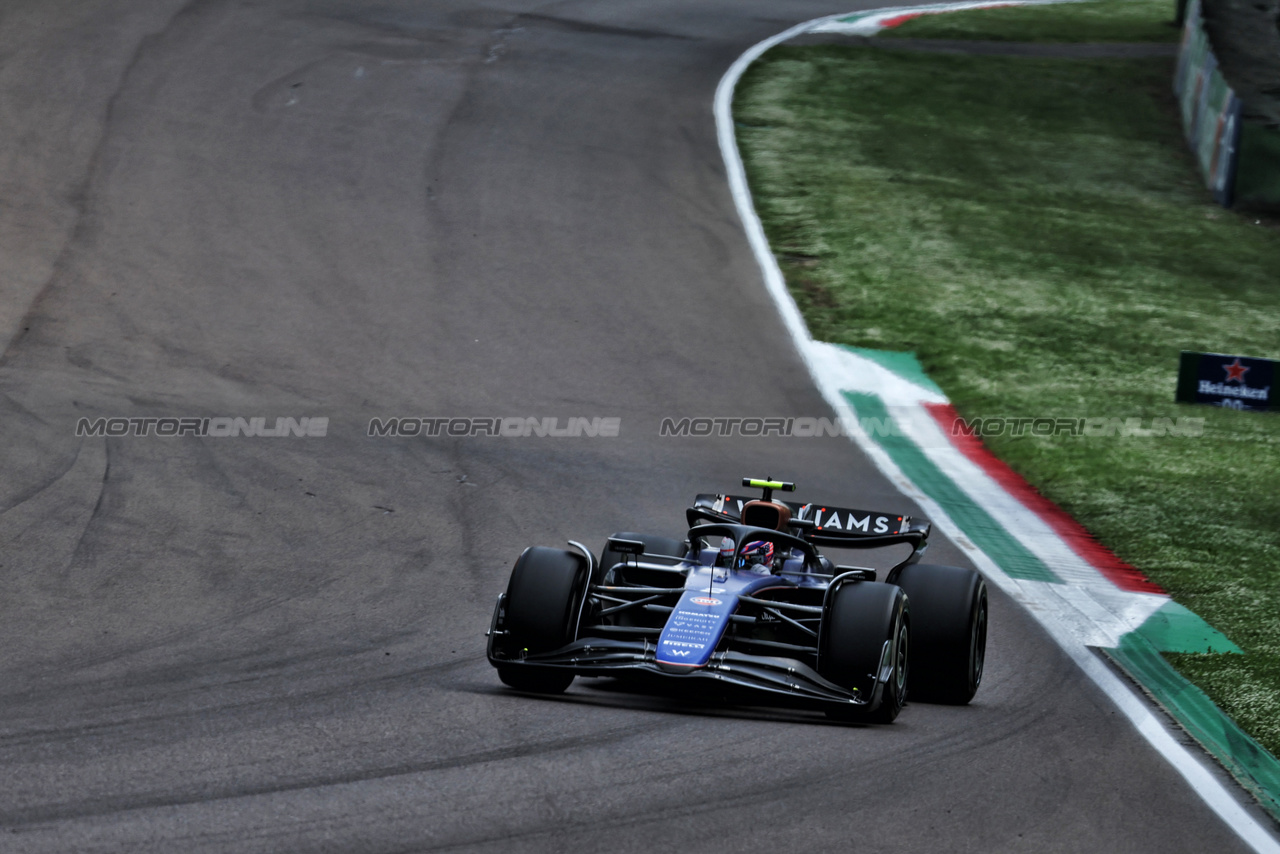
{"type": "Point", "coordinates": [1100, 21]}
{"type": "Point", "coordinates": [1036, 232]}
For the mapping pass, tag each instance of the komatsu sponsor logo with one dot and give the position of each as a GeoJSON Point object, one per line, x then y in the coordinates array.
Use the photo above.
{"type": "Point", "coordinates": [511, 427]}
{"type": "Point", "coordinates": [216, 427]}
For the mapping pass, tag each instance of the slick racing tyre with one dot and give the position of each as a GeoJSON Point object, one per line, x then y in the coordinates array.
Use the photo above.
{"type": "Point", "coordinates": [542, 602]}
{"type": "Point", "coordinates": [949, 632]}
{"type": "Point", "coordinates": [861, 617]}
{"type": "Point", "coordinates": [653, 545]}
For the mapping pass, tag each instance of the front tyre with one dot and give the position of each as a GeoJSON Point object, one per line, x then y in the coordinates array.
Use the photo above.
{"type": "Point", "coordinates": [865, 632]}
{"type": "Point", "coordinates": [541, 608]}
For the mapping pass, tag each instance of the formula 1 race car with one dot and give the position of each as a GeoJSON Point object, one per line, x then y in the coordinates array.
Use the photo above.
{"type": "Point", "coordinates": [747, 599]}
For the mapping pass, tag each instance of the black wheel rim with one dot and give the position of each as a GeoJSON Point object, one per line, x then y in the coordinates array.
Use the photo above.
{"type": "Point", "coordinates": [902, 663]}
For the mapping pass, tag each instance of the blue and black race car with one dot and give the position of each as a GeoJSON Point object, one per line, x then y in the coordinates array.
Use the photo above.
{"type": "Point", "coordinates": [748, 600]}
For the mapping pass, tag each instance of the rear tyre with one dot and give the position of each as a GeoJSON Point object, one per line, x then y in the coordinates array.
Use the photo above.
{"type": "Point", "coordinates": [541, 613]}
{"type": "Point", "coordinates": [949, 625]}
{"type": "Point", "coordinates": [653, 545]}
{"type": "Point", "coordinates": [862, 617]}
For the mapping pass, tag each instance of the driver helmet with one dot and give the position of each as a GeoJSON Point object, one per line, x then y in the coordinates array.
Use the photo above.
{"type": "Point", "coordinates": [758, 556]}
{"type": "Point", "coordinates": [726, 552]}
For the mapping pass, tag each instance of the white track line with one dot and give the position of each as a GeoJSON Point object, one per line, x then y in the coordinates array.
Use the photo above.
{"type": "Point", "coordinates": [826, 377]}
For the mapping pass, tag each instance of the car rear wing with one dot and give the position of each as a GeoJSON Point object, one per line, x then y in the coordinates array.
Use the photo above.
{"type": "Point", "coordinates": [824, 525]}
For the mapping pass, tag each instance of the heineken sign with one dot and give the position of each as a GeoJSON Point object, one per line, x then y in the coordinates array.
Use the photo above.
{"type": "Point", "coordinates": [1236, 382]}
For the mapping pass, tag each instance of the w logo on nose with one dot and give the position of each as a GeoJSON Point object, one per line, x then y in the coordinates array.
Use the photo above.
{"type": "Point", "coordinates": [681, 652]}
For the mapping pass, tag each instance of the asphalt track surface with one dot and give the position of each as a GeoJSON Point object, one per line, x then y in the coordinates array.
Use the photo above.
{"type": "Point", "coordinates": [349, 210]}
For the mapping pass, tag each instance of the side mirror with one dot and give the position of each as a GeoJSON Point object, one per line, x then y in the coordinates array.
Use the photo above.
{"type": "Point", "coordinates": [626, 547]}
{"type": "Point", "coordinates": [859, 572]}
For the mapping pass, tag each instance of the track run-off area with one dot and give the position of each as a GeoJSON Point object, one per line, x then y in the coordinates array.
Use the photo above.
{"type": "Point", "coordinates": [346, 211]}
